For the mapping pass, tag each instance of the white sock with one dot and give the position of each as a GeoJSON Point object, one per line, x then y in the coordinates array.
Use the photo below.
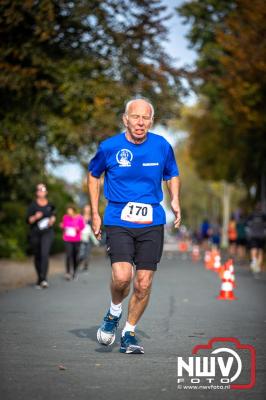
{"type": "Point", "coordinates": [116, 309]}
{"type": "Point", "coordinates": [128, 328]}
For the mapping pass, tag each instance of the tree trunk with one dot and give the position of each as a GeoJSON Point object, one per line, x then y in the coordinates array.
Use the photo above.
{"type": "Point", "coordinates": [226, 213]}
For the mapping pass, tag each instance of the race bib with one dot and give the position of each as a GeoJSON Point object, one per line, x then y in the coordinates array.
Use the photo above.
{"type": "Point", "coordinates": [70, 232]}
{"type": "Point", "coordinates": [139, 213]}
{"type": "Point", "coordinates": [43, 223]}
{"type": "Point", "coordinates": [85, 233]}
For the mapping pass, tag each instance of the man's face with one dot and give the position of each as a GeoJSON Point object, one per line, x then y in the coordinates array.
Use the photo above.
{"type": "Point", "coordinates": [138, 120]}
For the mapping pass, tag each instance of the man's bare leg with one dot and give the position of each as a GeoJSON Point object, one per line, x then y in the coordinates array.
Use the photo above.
{"type": "Point", "coordinates": [120, 286]}
{"type": "Point", "coordinates": [122, 273]}
{"type": "Point", "coordinates": [140, 296]}
{"type": "Point", "coordinates": [137, 304]}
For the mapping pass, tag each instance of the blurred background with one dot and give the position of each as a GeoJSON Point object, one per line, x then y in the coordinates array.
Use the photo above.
{"type": "Point", "coordinates": [67, 69]}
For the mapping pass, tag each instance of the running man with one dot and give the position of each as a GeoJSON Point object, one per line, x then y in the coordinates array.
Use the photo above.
{"type": "Point", "coordinates": [134, 162]}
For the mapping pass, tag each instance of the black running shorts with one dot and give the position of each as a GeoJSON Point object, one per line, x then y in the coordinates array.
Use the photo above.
{"type": "Point", "coordinates": [256, 243]}
{"type": "Point", "coordinates": [140, 246]}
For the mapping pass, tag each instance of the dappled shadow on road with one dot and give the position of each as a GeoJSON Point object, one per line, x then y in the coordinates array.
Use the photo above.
{"type": "Point", "coordinates": [106, 349]}
{"type": "Point", "coordinates": [86, 333]}
{"type": "Point", "coordinates": [91, 333]}
{"type": "Point", "coordinates": [143, 334]}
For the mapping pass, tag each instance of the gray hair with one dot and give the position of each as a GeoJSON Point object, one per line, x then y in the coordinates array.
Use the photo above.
{"type": "Point", "coordinates": [129, 102]}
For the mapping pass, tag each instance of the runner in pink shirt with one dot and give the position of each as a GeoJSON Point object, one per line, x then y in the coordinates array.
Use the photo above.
{"type": "Point", "coordinates": [72, 225]}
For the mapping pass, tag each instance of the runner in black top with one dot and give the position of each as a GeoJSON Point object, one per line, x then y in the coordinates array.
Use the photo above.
{"type": "Point", "coordinates": [41, 217]}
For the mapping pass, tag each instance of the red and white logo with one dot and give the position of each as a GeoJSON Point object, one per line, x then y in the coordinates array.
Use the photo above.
{"type": "Point", "coordinates": [222, 363]}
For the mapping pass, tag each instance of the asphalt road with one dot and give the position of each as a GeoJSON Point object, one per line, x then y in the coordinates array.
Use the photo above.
{"type": "Point", "coordinates": [48, 338]}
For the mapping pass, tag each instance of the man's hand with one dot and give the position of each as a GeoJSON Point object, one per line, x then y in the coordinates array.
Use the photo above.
{"type": "Point", "coordinates": [176, 210]}
{"type": "Point", "coordinates": [173, 185]}
{"type": "Point", "coordinates": [94, 186]}
{"type": "Point", "coordinates": [96, 226]}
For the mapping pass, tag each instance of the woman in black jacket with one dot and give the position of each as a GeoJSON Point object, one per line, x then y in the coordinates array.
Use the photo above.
{"type": "Point", "coordinates": [41, 218]}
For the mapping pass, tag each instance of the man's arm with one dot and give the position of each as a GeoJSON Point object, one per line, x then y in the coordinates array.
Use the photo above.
{"type": "Point", "coordinates": [173, 186]}
{"type": "Point", "coordinates": [94, 195]}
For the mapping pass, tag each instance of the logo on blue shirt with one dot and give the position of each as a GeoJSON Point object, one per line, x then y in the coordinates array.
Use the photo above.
{"type": "Point", "coordinates": [124, 158]}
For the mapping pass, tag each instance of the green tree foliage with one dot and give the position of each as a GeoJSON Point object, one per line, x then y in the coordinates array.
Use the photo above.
{"type": "Point", "coordinates": [202, 197]}
{"type": "Point", "coordinates": [66, 69]}
{"type": "Point", "coordinates": [212, 144]}
{"type": "Point", "coordinates": [228, 129]}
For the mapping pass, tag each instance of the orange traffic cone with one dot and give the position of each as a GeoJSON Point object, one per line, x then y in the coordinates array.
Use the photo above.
{"type": "Point", "coordinates": [183, 249]}
{"type": "Point", "coordinates": [226, 292]}
{"type": "Point", "coordinates": [221, 270]}
{"type": "Point", "coordinates": [216, 261]}
{"type": "Point", "coordinates": [230, 264]}
{"type": "Point", "coordinates": [213, 260]}
{"type": "Point", "coordinates": [208, 260]}
{"type": "Point", "coordinates": [183, 246]}
{"type": "Point", "coordinates": [233, 279]}
{"type": "Point", "coordinates": [195, 254]}
{"type": "Point", "coordinates": [231, 268]}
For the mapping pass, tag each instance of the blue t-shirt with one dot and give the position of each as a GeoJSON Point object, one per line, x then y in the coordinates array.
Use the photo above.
{"type": "Point", "coordinates": [134, 173]}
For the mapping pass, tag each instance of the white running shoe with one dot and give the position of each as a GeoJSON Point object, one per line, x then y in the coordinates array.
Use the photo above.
{"type": "Point", "coordinates": [106, 332]}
